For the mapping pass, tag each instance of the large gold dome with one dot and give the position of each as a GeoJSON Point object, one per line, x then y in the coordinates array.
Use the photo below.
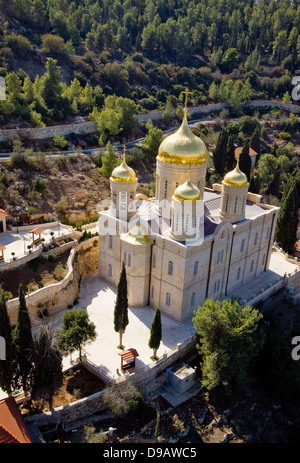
{"type": "Point", "coordinates": [236, 177]}
{"type": "Point", "coordinates": [183, 147]}
{"type": "Point", "coordinates": [187, 191]}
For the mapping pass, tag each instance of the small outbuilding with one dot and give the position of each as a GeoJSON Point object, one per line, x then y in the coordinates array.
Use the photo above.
{"type": "Point", "coordinates": [181, 377]}
{"type": "Point", "coordinates": [37, 231]}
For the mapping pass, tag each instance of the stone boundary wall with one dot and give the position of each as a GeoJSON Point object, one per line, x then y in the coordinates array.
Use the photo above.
{"type": "Point", "coordinates": [32, 227]}
{"type": "Point", "coordinates": [60, 250]}
{"type": "Point", "coordinates": [59, 296]}
{"type": "Point", "coordinates": [286, 256]}
{"type": "Point", "coordinates": [79, 128]}
{"type": "Point", "coordinates": [148, 380]}
{"type": "Point", "coordinates": [13, 264]}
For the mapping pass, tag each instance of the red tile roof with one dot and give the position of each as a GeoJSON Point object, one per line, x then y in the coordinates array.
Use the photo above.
{"type": "Point", "coordinates": [3, 214]}
{"type": "Point", "coordinates": [12, 426]}
{"type": "Point", "coordinates": [239, 150]}
{"type": "Point", "coordinates": [129, 354]}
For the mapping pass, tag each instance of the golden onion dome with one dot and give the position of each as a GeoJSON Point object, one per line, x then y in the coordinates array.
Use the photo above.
{"type": "Point", "coordinates": [123, 173]}
{"type": "Point", "coordinates": [236, 177]}
{"type": "Point", "coordinates": [187, 191]}
{"type": "Point", "coordinates": [136, 235]}
{"type": "Point", "coordinates": [183, 147]}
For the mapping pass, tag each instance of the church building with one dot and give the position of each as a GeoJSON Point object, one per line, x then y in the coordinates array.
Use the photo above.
{"type": "Point", "coordinates": [190, 242]}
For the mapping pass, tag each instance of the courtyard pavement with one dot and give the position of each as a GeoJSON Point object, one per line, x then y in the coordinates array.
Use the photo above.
{"type": "Point", "coordinates": [18, 242]}
{"type": "Point", "coordinates": [98, 297]}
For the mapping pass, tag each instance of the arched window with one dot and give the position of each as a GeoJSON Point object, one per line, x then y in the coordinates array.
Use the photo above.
{"type": "Point", "coordinates": [129, 260]}
{"type": "Point", "coordinates": [125, 257]}
{"type": "Point", "coordinates": [226, 203]}
{"type": "Point", "coordinates": [263, 260]}
{"type": "Point", "coordinates": [168, 299]}
{"type": "Point", "coordinates": [235, 205]}
{"type": "Point", "coordinates": [110, 242]}
{"type": "Point", "coordinates": [170, 268]}
{"type": "Point", "coordinates": [238, 273]}
{"type": "Point", "coordinates": [152, 292]}
{"type": "Point", "coordinates": [243, 205]}
{"type": "Point", "coordinates": [123, 200]}
{"type": "Point", "coordinates": [166, 189]}
{"type": "Point", "coordinates": [193, 299]}
{"type": "Point", "coordinates": [242, 245]}
{"type": "Point", "coordinates": [110, 270]}
{"type": "Point", "coordinates": [252, 265]}
{"type": "Point", "coordinates": [196, 265]}
{"type": "Point", "coordinates": [114, 198]}
{"type": "Point", "coordinates": [256, 239]}
{"type": "Point", "coordinates": [153, 261]}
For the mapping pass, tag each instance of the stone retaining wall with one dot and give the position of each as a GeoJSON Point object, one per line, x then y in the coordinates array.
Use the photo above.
{"type": "Point", "coordinates": [79, 128]}
{"type": "Point", "coordinates": [83, 260]}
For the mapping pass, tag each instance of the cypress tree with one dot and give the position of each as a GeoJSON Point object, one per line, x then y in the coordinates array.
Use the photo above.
{"type": "Point", "coordinates": [230, 154]}
{"type": "Point", "coordinates": [286, 229]}
{"type": "Point", "coordinates": [255, 143]}
{"type": "Point", "coordinates": [121, 306]}
{"type": "Point", "coordinates": [155, 332]}
{"type": "Point", "coordinates": [254, 185]}
{"type": "Point", "coordinates": [219, 157]}
{"type": "Point", "coordinates": [8, 367]}
{"type": "Point", "coordinates": [245, 161]}
{"type": "Point", "coordinates": [23, 342]}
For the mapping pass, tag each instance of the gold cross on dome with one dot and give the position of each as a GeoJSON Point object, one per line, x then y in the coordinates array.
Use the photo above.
{"type": "Point", "coordinates": [124, 152]}
{"type": "Point", "coordinates": [186, 93]}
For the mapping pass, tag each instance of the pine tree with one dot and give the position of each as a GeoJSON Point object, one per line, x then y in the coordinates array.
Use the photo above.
{"type": "Point", "coordinates": [254, 184]}
{"type": "Point", "coordinates": [23, 342]}
{"type": "Point", "coordinates": [219, 153]}
{"type": "Point", "coordinates": [245, 161]}
{"type": "Point", "coordinates": [8, 367]}
{"type": "Point", "coordinates": [121, 306]}
{"type": "Point", "coordinates": [155, 332]}
{"type": "Point", "coordinates": [109, 161]}
{"type": "Point", "coordinates": [286, 229]}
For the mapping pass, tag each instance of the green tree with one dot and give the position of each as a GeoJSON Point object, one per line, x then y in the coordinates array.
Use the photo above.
{"type": "Point", "coordinates": [121, 306]}
{"type": "Point", "coordinates": [118, 115]}
{"type": "Point", "coordinates": [155, 332]}
{"type": "Point", "coordinates": [8, 367]}
{"type": "Point", "coordinates": [229, 339]}
{"type": "Point", "coordinates": [152, 140]}
{"type": "Point", "coordinates": [219, 157]}
{"type": "Point", "coordinates": [286, 229]}
{"type": "Point", "coordinates": [24, 343]}
{"type": "Point", "coordinates": [245, 160]}
{"type": "Point", "coordinates": [75, 332]}
{"type": "Point", "coordinates": [267, 170]}
{"type": "Point", "coordinates": [109, 161]}
{"type": "Point", "coordinates": [47, 359]}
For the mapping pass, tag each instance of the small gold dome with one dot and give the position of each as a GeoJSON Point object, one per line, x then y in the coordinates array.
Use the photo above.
{"type": "Point", "coordinates": [183, 147]}
{"type": "Point", "coordinates": [187, 191]}
{"type": "Point", "coordinates": [123, 173]}
{"type": "Point", "coordinates": [236, 177]}
{"type": "Point", "coordinates": [136, 235]}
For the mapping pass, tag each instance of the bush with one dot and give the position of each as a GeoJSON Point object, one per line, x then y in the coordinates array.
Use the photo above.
{"type": "Point", "coordinates": [59, 271]}
{"type": "Point", "coordinates": [284, 135]}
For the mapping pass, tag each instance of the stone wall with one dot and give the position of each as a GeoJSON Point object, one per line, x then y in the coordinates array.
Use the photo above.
{"type": "Point", "coordinates": [79, 128]}
{"type": "Point", "coordinates": [83, 260]}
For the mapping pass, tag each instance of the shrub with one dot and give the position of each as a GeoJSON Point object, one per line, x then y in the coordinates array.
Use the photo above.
{"type": "Point", "coordinates": [284, 135]}
{"type": "Point", "coordinates": [59, 271]}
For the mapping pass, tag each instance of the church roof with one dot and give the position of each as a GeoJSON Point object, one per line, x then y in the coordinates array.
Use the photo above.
{"type": "Point", "coordinates": [12, 426]}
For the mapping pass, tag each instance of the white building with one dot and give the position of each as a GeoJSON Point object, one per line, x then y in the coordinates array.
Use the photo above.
{"type": "Point", "coordinates": [188, 243]}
